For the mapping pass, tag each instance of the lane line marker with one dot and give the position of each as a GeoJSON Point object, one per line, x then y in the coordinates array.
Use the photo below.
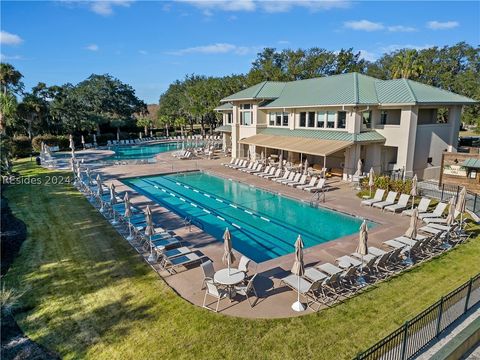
{"type": "Point", "coordinates": [261, 217]}
{"type": "Point", "coordinates": [221, 218]}
{"type": "Point", "coordinates": [206, 211]}
{"type": "Point", "coordinates": [233, 224]}
{"type": "Point", "coordinates": [219, 200]}
{"type": "Point", "coordinates": [234, 206]}
{"type": "Point", "coordinates": [248, 212]}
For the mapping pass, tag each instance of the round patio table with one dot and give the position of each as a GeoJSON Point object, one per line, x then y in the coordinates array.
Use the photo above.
{"type": "Point", "coordinates": [229, 278]}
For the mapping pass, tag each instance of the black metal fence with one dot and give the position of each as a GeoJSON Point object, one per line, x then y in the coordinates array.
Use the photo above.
{"type": "Point", "coordinates": [417, 333]}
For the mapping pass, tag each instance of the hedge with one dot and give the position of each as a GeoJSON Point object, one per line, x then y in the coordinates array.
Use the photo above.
{"type": "Point", "coordinates": [21, 146]}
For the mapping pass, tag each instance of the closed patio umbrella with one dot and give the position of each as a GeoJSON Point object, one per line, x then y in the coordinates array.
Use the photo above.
{"type": "Point", "coordinates": [113, 201]}
{"type": "Point", "coordinates": [83, 141]}
{"type": "Point", "coordinates": [359, 168]}
{"type": "Point", "coordinates": [128, 214]}
{"type": "Point", "coordinates": [412, 229]}
{"type": "Point", "coordinates": [262, 157]}
{"type": "Point", "coordinates": [79, 174]}
{"type": "Point", "coordinates": [298, 269]}
{"type": "Point", "coordinates": [362, 248]}
{"type": "Point", "coordinates": [414, 191]}
{"type": "Point", "coordinates": [228, 256]}
{"type": "Point", "coordinates": [149, 231]}
{"type": "Point", "coordinates": [88, 172]}
{"type": "Point", "coordinates": [100, 192]}
{"type": "Point", "coordinates": [461, 203]}
{"type": "Point", "coordinates": [72, 144]}
{"type": "Point", "coordinates": [371, 180]}
{"type": "Point", "coordinates": [280, 161]}
{"type": "Point", "coordinates": [451, 212]}
{"type": "Point", "coordinates": [94, 140]}
{"type": "Point", "coordinates": [305, 170]}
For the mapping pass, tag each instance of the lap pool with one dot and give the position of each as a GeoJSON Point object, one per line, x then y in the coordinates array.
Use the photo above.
{"type": "Point", "coordinates": [133, 152]}
{"type": "Point", "coordinates": [264, 225]}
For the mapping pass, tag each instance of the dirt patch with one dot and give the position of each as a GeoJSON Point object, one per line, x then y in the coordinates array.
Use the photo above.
{"type": "Point", "coordinates": [14, 344]}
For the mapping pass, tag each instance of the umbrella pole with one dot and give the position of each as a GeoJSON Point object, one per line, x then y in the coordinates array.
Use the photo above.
{"type": "Point", "coordinates": [129, 230]}
{"type": "Point", "coordinates": [298, 306]}
{"type": "Point", "coordinates": [151, 257]}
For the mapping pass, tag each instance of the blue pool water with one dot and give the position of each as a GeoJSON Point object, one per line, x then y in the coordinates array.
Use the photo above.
{"type": "Point", "coordinates": [263, 225]}
{"type": "Point", "coordinates": [131, 152]}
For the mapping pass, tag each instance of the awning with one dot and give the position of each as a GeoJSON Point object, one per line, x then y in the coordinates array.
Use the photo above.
{"type": "Point", "coordinates": [471, 163]}
{"type": "Point", "coordinates": [302, 145]}
{"type": "Point", "coordinates": [224, 128]}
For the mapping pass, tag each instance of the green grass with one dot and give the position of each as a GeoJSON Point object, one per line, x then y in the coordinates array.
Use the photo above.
{"type": "Point", "coordinates": [87, 294]}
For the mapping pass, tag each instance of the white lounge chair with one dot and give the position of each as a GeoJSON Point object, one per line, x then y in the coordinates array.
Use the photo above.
{"type": "Point", "coordinates": [295, 178]}
{"type": "Point", "coordinates": [390, 200]}
{"type": "Point", "coordinates": [312, 182]}
{"type": "Point", "coordinates": [274, 176]}
{"type": "Point", "coordinates": [302, 181]}
{"type": "Point", "coordinates": [181, 261]}
{"type": "Point", "coordinates": [376, 198]}
{"type": "Point", "coordinates": [321, 186]}
{"type": "Point", "coordinates": [422, 207]}
{"type": "Point", "coordinates": [437, 212]}
{"type": "Point", "coordinates": [400, 205]}
{"type": "Point", "coordinates": [284, 177]}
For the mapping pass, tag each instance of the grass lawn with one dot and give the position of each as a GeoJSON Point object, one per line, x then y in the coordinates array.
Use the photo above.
{"type": "Point", "coordinates": [88, 295]}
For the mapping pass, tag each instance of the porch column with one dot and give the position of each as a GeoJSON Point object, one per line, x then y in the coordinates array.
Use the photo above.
{"type": "Point", "coordinates": [235, 133]}
{"type": "Point", "coordinates": [352, 154]}
{"type": "Point", "coordinates": [454, 115]}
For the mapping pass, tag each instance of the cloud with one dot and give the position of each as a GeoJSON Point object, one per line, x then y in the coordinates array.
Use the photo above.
{"type": "Point", "coordinates": [401, 28]}
{"type": "Point", "coordinates": [395, 47]}
{"type": "Point", "coordinates": [364, 25]}
{"type": "Point", "coordinates": [218, 48]}
{"type": "Point", "coordinates": [100, 7]}
{"type": "Point", "coordinates": [269, 6]}
{"type": "Point", "coordinates": [7, 38]}
{"type": "Point", "coordinates": [438, 25]}
{"type": "Point", "coordinates": [369, 56]}
{"type": "Point", "coordinates": [92, 47]}
{"type": "Point", "coordinates": [143, 52]}
{"type": "Point", "coordinates": [4, 57]}
{"type": "Point", "coordinates": [283, 42]}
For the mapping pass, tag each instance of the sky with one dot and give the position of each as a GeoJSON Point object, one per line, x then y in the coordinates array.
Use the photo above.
{"type": "Point", "coordinates": [149, 44]}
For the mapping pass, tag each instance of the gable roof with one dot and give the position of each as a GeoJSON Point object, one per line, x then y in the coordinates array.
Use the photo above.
{"type": "Point", "coordinates": [347, 89]}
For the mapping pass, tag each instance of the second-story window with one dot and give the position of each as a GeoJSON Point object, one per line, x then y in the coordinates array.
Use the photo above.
{"type": "Point", "coordinates": [321, 119]}
{"type": "Point", "coordinates": [330, 119]}
{"type": "Point", "coordinates": [383, 117]}
{"type": "Point", "coordinates": [278, 119]}
{"type": "Point", "coordinates": [367, 119]}
{"type": "Point", "coordinates": [307, 119]}
{"type": "Point", "coordinates": [246, 114]}
{"type": "Point", "coordinates": [228, 118]}
{"type": "Point", "coordinates": [341, 120]}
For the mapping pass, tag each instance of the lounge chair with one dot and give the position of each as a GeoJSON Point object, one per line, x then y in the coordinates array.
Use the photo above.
{"type": "Point", "coordinates": [321, 186]}
{"type": "Point", "coordinates": [307, 289]}
{"type": "Point", "coordinates": [376, 198]}
{"type": "Point", "coordinates": [329, 269]}
{"type": "Point", "coordinates": [439, 220]}
{"type": "Point", "coordinates": [265, 171]}
{"type": "Point", "coordinates": [170, 254]}
{"type": "Point", "coordinates": [302, 181]}
{"type": "Point", "coordinates": [295, 179]}
{"type": "Point", "coordinates": [216, 292]}
{"type": "Point", "coordinates": [422, 207]}
{"type": "Point", "coordinates": [400, 205]}
{"type": "Point", "coordinates": [395, 244]}
{"type": "Point", "coordinates": [284, 177]}
{"type": "Point", "coordinates": [256, 168]}
{"type": "Point", "coordinates": [244, 290]}
{"type": "Point", "coordinates": [271, 170]}
{"type": "Point", "coordinates": [390, 200]}
{"type": "Point", "coordinates": [277, 174]}
{"type": "Point", "coordinates": [348, 261]}
{"type": "Point", "coordinates": [182, 261]}
{"type": "Point", "coordinates": [232, 161]}
{"type": "Point", "coordinates": [249, 167]}
{"type": "Point", "coordinates": [437, 212]}
{"type": "Point", "coordinates": [312, 182]}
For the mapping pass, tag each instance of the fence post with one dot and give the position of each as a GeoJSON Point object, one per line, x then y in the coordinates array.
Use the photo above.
{"type": "Point", "coordinates": [439, 319]}
{"type": "Point", "coordinates": [469, 291]}
{"type": "Point", "coordinates": [405, 338]}
{"type": "Point", "coordinates": [475, 204]}
{"type": "Point", "coordinates": [443, 188]}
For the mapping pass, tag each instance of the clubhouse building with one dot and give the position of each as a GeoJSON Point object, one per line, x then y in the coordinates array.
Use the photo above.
{"type": "Point", "coordinates": [391, 125]}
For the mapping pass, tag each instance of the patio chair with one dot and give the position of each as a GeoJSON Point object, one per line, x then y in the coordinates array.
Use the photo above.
{"type": "Point", "coordinates": [439, 220]}
{"type": "Point", "coordinates": [400, 205]}
{"type": "Point", "coordinates": [244, 290]}
{"type": "Point", "coordinates": [182, 261]}
{"type": "Point", "coordinates": [257, 168]}
{"type": "Point", "coordinates": [290, 178]}
{"type": "Point", "coordinates": [208, 272]}
{"type": "Point", "coordinates": [390, 200]}
{"type": "Point", "coordinates": [215, 292]}
{"type": "Point", "coordinates": [422, 207]}
{"type": "Point", "coordinates": [395, 244]}
{"type": "Point", "coordinates": [284, 177]}
{"type": "Point", "coordinates": [270, 171]}
{"type": "Point", "coordinates": [232, 161]}
{"type": "Point", "coordinates": [436, 213]}
{"type": "Point", "coordinates": [302, 181]}
{"type": "Point", "coordinates": [250, 166]}
{"type": "Point", "coordinates": [277, 174]}
{"type": "Point", "coordinates": [321, 186]}
{"type": "Point", "coordinates": [309, 290]}
{"type": "Point", "coordinates": [243, 264]}
{"type": "Point", "coordinates": [265, 171]}
{"type": "Point", "coordinates": [312, 182]}
{"type": "Point", "coordinates": [295, 179]}
{"type": "Point", "coordinates": [170, 254]}
{"type": "Point", "coordinates": [376, 198]}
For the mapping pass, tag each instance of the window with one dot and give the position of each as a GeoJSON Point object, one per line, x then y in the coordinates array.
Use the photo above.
{"type": "Point", "coordinates": [278, 119]}
{"type": "Point", "coordinates": [330, 119]}
{"type": "Point", "coordinates": [303, 119]}
{"type": "Point", "coordinates": [383, 117]}
{"type": "Point", "coordinates": [229, 118]}
{"type": "Point", "coordinates": [341, 119]}
{"type": "Point", "coordinates": [311, 119]}
{"type": "Point", "coordinates": [367, 119]}
{"type": "Point", "coordinates": [321, 119]}
{"type": "Point", "coordinates": [245, 114]}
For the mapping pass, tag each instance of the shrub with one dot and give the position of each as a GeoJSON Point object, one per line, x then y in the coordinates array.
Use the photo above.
{"type": "Point", "coordinates": [61, 141]}
{"type": "Point", "coordinates": [21, 146]}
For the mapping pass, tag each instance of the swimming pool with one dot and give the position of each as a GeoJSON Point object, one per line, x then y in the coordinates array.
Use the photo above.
{"type": "Point", "coordinates": [130, 152]}
{"type": "Point", "coordinates": [264, 225]}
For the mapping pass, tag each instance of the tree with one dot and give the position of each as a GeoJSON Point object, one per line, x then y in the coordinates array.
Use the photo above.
{"type": "Point", "coordinates": [406, 64]}
{"type": "Point", "coordinates": [144, 122]}
{"type": "Point", "coordinates": [8, 109]}
{"type": "Point", "coordinates": [10, 84]}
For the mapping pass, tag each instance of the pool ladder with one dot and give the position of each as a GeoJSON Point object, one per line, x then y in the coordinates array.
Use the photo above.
{"type": "Point", "coordinates": [317, 198]}
{"type": "Point", "coordinates": [188, 222]}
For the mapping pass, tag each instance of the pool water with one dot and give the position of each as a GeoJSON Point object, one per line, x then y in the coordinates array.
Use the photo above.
{"type": "Point", "coordinates": [263, 225]}
{"type": "Point", "coordinates": [130, 152]}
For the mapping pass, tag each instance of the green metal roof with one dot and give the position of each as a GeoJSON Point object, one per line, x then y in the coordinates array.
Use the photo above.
{"type": "Point", "coordinates": [367, 136]}
{"type": "Point", "coordinates": [347, 89]}
{"type": "Point", "coordinates": [471, 163]}
{"type": "Point", "coordinates": [224, 107]}
{"type": "Point", "coordinates": [223, 128]}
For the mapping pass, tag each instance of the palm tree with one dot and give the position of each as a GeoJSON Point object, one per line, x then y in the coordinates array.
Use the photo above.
{"type": "Point", "coordinates": [406, 64]}
{"type": "Point", "coordinates": [8, 108]}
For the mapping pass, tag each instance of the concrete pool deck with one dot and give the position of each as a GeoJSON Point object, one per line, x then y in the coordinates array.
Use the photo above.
{"type": "Point", "coordinates": [275, 300]}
